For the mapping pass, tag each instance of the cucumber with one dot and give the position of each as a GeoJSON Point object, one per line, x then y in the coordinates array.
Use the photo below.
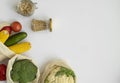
{"type": "Point", "coordinates": [15, 38]}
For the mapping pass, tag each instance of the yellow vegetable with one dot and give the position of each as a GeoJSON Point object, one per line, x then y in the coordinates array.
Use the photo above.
{"type": "Point", "coordinates": [21, 47]}
{"type": "Point", "coordinates": [4, 34]}
{"type": "Point", "coordinates": [50, 24]}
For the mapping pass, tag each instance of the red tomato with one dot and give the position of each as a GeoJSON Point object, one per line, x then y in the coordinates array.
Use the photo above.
{"type": "Point", "coordinates": [8, 28]}
{"type": "Point", "coordinates": [16, 26]}
{"type": "Point", "coordinates": [2, 72]}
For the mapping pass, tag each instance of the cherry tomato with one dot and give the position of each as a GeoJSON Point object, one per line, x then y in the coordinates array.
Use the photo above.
{"type": "Point", "coordinates": [8, 28]}
{"type": "Point", "coordinates": [16, 26]}
{"type": "Point", "coordinates": [2, 72]}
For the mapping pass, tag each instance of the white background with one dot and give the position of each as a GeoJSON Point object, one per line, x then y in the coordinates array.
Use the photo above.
{"type": "Point", "coordinates": [86, 34]}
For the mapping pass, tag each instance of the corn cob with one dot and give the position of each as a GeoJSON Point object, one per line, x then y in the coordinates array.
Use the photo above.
{"type": "Point", "coordinates": [21, 47]}
{"type": "Point", "coordinates": [4, 34]}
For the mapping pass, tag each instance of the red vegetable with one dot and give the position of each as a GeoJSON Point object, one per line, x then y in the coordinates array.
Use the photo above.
{"type": "Point", "coordinates": [2, 72]}
{"type": "Point", "coordinates": [8, 28]}
{"type": "Point", "coordinates": [16, 26]}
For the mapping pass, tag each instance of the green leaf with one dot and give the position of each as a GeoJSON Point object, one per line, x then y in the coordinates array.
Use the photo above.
{"type": "Point", "coordinates": [65, 71]}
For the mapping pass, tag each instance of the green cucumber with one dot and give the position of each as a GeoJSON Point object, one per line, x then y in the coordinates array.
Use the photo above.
{"type": "Point", "coordinates": [15, 38]}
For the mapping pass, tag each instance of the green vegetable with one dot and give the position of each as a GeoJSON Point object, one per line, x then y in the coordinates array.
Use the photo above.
{"type": "Point", "coordinates": [23, 71]}
{"type": "Point", "coordinates": [15, 38]}
{"type": "Point", "coordinates": [65, 71]}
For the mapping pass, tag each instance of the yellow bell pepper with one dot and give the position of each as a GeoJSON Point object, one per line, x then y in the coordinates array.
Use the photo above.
{"type": "Point", "coordinates": [4, 34]}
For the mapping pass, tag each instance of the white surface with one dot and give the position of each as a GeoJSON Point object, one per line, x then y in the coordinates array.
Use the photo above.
{"type": "Point", "coordinates": [86, 33]}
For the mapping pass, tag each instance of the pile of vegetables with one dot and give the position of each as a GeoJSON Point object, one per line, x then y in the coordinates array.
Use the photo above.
{"type": "Point", "coordinates": [11, 36]}
{"type": "Point", "coordinates": [21, 69]}
{"type": "Point", "coordinates": [12, 41]}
